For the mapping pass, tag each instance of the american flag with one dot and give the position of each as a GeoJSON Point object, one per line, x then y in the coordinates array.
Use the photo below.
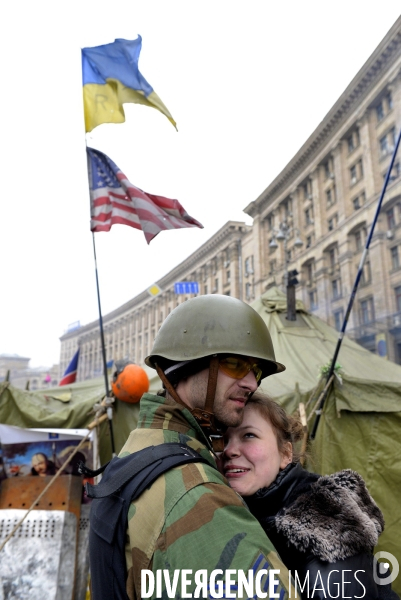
{"type": "Point", "coordinates": [115, 200]}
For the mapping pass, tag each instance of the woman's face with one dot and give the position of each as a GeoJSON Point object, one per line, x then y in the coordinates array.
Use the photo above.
{"type": "Point", "coordinates": [251, 458]}
{"type": "Point", "coordinates": [39, 463]}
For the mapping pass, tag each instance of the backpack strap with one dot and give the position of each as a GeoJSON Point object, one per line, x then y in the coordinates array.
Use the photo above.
{"type": "Point", "coordinates": [146, 465]}
{"type": "Point", "coordinates": [123, 481]}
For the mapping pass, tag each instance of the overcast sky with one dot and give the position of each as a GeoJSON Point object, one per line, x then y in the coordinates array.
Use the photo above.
{"type": "Point", "coordinates": [247, 83]}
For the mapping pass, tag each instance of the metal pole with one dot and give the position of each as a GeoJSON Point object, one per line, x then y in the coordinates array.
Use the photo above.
{"type": "Point", "coordinates": [354, 290]}
{"type": "Point", "coordinates": [106, 383]}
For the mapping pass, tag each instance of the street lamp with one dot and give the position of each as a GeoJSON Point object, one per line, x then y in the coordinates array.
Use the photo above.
{"type": "Point", "coordinates": [283, 234]}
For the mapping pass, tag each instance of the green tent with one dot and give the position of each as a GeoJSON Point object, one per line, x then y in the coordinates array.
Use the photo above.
{"type": "Point", "coordinates": [69, 407]}
{"type": "Point", "coordinates": [360, 427]}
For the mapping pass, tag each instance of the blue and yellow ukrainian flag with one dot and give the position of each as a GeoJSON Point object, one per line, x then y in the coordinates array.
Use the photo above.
{"type": "Point", "coordinates": [111, 77]}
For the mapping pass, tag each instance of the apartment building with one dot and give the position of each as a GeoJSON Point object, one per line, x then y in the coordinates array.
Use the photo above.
{"type": "Point", "coordinates": [327, 197]}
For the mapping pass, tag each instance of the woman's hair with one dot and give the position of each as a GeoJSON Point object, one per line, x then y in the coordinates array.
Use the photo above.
{"type": "Point", "coordinates": [42, 455]}
{"type": "Point", "coordinates": [286, 428]}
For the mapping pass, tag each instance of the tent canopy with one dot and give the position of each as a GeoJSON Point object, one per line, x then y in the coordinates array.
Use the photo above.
{"type": "Point", "coordinates": [307, 344]}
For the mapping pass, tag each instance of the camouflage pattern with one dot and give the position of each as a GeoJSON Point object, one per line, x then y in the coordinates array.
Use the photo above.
{"type": "Point", "coordinates": [190, 518]}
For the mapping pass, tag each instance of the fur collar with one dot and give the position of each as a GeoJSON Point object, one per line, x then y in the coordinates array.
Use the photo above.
{"type": "Point", "coordinates": [336, 518]}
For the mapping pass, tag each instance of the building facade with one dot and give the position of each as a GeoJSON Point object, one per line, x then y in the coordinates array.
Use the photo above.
{"type": "Point", "coordinates": [326, 198]}
{"type": "Point", "coordinates": [328, 194]}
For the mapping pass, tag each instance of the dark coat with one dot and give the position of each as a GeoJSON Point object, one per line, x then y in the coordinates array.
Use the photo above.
{"type": "Point", "coordinates": [324, 529]}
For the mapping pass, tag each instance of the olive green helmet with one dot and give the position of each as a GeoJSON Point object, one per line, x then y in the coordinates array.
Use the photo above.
{"type": "Point", "coordinates": [214, 324]}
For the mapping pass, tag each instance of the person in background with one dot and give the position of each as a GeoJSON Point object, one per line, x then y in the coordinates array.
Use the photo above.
{"type": "Point", "coordinates": [323, 527]}
{"type": "Point", "coordinates": [42, 466]}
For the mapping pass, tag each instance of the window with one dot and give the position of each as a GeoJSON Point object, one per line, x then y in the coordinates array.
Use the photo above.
{"type": "Point", "coordinates": [351, 146]}
{"type": "Point", "coordinates": [313, 300]}
{"type": "Point", "coordinates": [336, 288]}
{"type": "Point", "coordinates": [332, 222]}
{"type": "Point", "coordinates": [360, 237]}
{"type": "Point", "coordinates": [395, 171]}
{"type": "Point", "coordinates": [390, 218]}
{"type": "Point", "coordinates": [353, 140]}
{"type": "Point", "coordinates": [332, 257]}
{"type": "Point", "coordinates": [366, 311]}
{"type": "Point", "coordinates": [248, 289]}
{"type": "Point", "coordinates": [338, 319]}
{"type": "Point", "coordinates": [270, 222]}
{"type": "Point", "coordinates": [309, 216]}
{"type": "Point", "coordinates": [310, 272]}
{"type": "Point", "coordinates": [330, 197]}
{"type": "Point", "coordinates": [395, 258]}
{"type": "Point", "coordinates": [328, 169]}
{"type": "Point", "coordinates": [249, 266]}
{"type": "Point", "coordinates": [366, 275]}
{"type": "Point", "coordinates": [359, 201]}
{"type": "Point", "coordinates": [228, 276]}
{"type": "Point", "coordinates": [392, 139]}
{"type": "Point", "coordinates": [216, 285]}
{"type": "Point", "coordinates": [383, 145]}
{"type": "Point", "coordinates": [356, 172]}
{"type": "Point", "coordinates": [398, 298]}
{"type": "Point", "coordinates": [384, 107]}
{"type": "Point", "coordinates": [380, 111]}
{"type": "Point", "coordinates": [227, 257]}
{"type": "Point", "coordinates": [272, 266]}
{"type": "Point", "coordinates": [205, 289]}
{"type": "Point", "coordinates": [287, 208]}
{"type": "Point", "coordinates": [387, 143]}
{"type": "Point", "coordinates": [308, 241]}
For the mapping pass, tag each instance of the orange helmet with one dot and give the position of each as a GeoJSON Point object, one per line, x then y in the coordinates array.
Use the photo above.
{"type": "Point", "coordinates": [130, 382]}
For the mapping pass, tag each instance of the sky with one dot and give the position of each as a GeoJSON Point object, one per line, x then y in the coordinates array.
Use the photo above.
{"type": "Point", "coordinates": [246, 82]}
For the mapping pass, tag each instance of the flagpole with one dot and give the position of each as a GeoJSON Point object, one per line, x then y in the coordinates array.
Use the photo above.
{"type": "Point", "coordinates": [106, 382]}
{"type": "Point", "coordinates": [354, 290]}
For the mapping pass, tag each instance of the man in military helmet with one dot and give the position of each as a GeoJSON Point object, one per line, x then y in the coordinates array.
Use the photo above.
{"type": "Point", "coordinates": [211, 354]}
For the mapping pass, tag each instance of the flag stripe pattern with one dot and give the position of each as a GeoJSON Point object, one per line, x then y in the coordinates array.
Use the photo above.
{"type": "Point", "coordinates": [70, 374]}
{"type": "Point", "coordinates": [114, 200]}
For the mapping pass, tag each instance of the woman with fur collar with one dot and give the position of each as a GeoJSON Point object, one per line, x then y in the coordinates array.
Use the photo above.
{"type": "Point", "coordinates": [323, 527]}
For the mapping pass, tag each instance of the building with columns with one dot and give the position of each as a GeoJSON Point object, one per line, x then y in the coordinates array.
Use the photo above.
{"type": "Point", "coordinates": [325, 197]}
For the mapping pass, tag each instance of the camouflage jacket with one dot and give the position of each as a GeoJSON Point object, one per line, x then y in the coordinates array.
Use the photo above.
{"type": "Point", "coordinates": [191, 519]}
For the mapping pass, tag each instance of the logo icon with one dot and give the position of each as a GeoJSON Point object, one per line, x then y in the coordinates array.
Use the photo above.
{"type": "Point", "coordinates": [381, 568]}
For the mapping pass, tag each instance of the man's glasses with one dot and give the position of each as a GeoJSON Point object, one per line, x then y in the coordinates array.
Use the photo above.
{"type": "Point", "coordinates": [237, 367]}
